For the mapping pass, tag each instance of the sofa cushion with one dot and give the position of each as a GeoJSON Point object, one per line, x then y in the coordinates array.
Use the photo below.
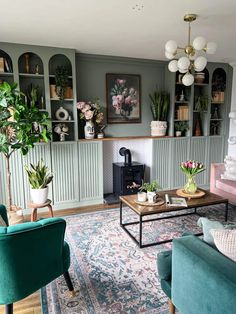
{"type": "Point", "coordinates": [228, 186]}
{"type": "Point", "coordinates": [206, 225]}
{"type": "Point", "coordinates": [225, 241]}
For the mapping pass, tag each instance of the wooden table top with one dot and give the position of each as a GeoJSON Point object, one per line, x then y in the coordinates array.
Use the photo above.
{"type": "Point", "coordinates": [208, 199]}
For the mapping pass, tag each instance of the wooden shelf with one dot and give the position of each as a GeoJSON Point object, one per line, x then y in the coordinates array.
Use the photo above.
{"type": "Point", "coordinates": [201, 84]}
{"type": "Point", "coordinates": [31, 75]}
{"type": "Point", "coordinates": [70, 77]}
{"type": "Point", "coordinates": [66, 99]}
{"type": "Point", "coordinates": [6, 74]}
{"type": "Point", "coordinates": [182, 102]}
{"type": "Point", "coordinates": [62, 121]}
{"type": "Point", "coordinates": [124, 138]}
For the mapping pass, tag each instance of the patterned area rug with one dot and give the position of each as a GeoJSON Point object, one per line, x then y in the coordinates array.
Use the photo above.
{"type": "Point", "coordinates": [110, 273]}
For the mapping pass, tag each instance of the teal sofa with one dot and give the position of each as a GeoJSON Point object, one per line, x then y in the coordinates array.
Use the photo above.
{"type": "Point", "coordinates": [197, 278]}
{"type": "Point", "coordinates": [31, 256]}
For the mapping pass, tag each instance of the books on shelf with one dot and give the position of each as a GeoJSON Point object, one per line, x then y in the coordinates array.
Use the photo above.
{"type": "Point", "coordinates": [1, 64]}
{"type": "Point", "coordinates": [175, 201]}
{"type": "Point", "coordinates": [183, 113]}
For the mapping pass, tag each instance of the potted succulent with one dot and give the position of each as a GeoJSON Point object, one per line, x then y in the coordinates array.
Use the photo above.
{"type": "Point", "coordinates": [61, 79]}
{"type": "Point", "coordinates": [39, 178]}
{"type": "Point", "coordinates": [160, 104]}
{"type": "Point", "coordinates": [180, 127]}
{"type": "Point", "coordinates": [151, 189]}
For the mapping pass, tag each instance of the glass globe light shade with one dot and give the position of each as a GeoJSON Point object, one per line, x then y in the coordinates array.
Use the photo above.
{"type": "Point", "coordinates": [200, 63]}
{"type": "Point", "coordinates": [169, 55]}
{"type": "Point", "coordinates": [183, 63]}
{"type": "Point", "coordinates": [183, 70]}
{"type": "Point", "coordinates": [199, 43]}
{"type": "Point", "coordinates": [211, 48]}
{"type": "Point", "coordinates": [171, 46]}
{"type": "Point", "coordinates": [188, 79]}
{"type": "Point", "coordinates": [172, 66]}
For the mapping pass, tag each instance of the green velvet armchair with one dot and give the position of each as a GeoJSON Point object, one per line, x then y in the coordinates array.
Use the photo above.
{"type": "Point", "coordinates": [32, 254]}
{"type": "Point", "coordinates": [197, 278]}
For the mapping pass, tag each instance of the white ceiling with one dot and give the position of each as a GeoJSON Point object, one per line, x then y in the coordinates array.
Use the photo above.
{"type": "Point", "coordinates": [113, 27]}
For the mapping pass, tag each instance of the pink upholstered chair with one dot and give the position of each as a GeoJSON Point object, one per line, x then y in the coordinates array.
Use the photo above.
{"type": "Point", "coordinates": [222, 187]}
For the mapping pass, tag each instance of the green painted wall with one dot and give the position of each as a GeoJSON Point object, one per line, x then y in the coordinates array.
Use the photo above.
{"type": "Point", "coordinates": [91, 83]}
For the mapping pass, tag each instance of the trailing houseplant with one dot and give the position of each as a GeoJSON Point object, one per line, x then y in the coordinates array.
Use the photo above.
{"type": "Point", "coordinates": [201, 103]}
{"type": "Point", "coordinates": [160, 104]}
{"type": "Point", "coordinates": [39, 177]}
{"type": "Point", "coordinates": [16, 127]}
{"type": "Point", "coordinates": [61, 80]}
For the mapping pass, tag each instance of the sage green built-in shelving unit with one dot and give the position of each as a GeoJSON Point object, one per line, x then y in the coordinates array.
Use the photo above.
{"type": "Point", "coordinates": [78, 165]}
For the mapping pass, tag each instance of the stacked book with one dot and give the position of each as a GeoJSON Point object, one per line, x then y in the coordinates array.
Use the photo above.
{"type": "Point", "coordinates": [182, 113]}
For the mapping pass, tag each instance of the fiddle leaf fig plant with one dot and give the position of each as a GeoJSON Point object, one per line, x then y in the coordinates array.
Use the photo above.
{"type": "Point", "coordinates": [17, 131]}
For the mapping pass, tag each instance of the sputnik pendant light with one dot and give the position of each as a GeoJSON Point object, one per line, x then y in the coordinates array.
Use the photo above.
{"type": "Point", "coordinates": [190, 61]}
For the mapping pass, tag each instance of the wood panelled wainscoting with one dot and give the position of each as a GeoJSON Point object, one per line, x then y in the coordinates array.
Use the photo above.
{"type": "Point", "coordinates": [32, 304]}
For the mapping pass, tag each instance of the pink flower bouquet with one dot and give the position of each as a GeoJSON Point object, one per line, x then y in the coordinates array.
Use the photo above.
{"type": "Point", "coordinates": [90, 111]}
{"type": "Point", "coordinates": [191, 167]}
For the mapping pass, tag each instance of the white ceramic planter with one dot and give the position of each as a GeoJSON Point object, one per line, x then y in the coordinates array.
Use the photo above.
{"type": "Point", "coordinates": [142, 196]}
{"type": "Point", "coordinates": [39, 196]}
{"type": "Point", "coordinates": [178, 133]}
{"type": "Point", "coordinates": [158, 128]}
{"type": "Point", "coordinates": [152, 197]}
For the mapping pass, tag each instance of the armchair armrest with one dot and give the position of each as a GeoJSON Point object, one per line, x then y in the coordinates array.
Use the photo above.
{"type": "Point", "coordinates": [203, 279]}
{"type": "Point", "coordinates": [3, 213]}
{"type": "Point", "coordinates": [216, 171]}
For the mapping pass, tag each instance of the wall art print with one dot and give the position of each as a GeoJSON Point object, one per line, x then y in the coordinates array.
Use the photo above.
{"type": "Point", "coordinates": [123, 98]}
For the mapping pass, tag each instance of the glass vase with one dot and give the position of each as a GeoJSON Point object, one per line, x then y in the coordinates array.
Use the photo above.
{"type": "Point", "coordinates": [191, 186]}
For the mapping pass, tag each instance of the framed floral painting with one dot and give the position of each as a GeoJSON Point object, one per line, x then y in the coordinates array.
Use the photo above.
{"type": "Point", "coordinates": [123, 98]}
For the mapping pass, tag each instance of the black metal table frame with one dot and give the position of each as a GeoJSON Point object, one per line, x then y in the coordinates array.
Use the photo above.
{"type": "Point", "coordinates": [141, 221]}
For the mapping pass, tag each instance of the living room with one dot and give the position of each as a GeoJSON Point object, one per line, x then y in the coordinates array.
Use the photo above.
{"type": "Point", "coordinates": [91, 76]}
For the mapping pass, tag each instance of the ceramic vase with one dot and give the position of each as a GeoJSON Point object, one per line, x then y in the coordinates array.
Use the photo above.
{"type": "Point", "coordinates": [191, 186]}
{"type": "Point", "coordinates": [89, 129]}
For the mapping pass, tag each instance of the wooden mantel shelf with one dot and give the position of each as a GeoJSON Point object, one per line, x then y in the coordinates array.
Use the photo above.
{"type": "Point", "coordinates": [124, 138]}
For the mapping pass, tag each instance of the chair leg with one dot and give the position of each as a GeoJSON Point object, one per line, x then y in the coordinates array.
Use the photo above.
{"type": "Point", "coordinates": [171, 307]}
{"type": "Point", "coordinates": [9, 308]}
{"type": "Point", "coordinates": [69, 283]}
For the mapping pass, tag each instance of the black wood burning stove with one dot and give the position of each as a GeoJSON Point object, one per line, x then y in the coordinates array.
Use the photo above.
{"type": "Point", "coordinates": [127, 176]}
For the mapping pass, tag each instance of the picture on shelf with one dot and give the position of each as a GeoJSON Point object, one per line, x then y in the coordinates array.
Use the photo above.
{"type": "Point", "coordinates": [123, 98]}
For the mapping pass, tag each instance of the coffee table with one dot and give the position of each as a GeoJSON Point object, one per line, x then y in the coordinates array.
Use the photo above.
{"type": "Point", "coordinates": [143, 211]}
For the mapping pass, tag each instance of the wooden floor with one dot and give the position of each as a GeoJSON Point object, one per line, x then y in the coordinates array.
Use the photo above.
{"type": "Point", "coordinates": [32, 304]}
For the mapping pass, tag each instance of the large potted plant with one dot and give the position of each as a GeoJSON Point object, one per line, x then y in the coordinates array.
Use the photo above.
{"type": "Point", "coordinates": [160, 104]}
{"type": "Point", "coordinates": [39, 177]}
{"type": "Point", "coordinates": [16, 127]}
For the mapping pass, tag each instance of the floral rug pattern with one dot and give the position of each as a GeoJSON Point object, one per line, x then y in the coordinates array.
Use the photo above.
{"type": "Point", "coordinates": [110, 273]}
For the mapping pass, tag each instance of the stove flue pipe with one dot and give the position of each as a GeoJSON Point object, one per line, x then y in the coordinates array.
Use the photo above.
{"type": "Point", "coordinates": [126, 152]}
